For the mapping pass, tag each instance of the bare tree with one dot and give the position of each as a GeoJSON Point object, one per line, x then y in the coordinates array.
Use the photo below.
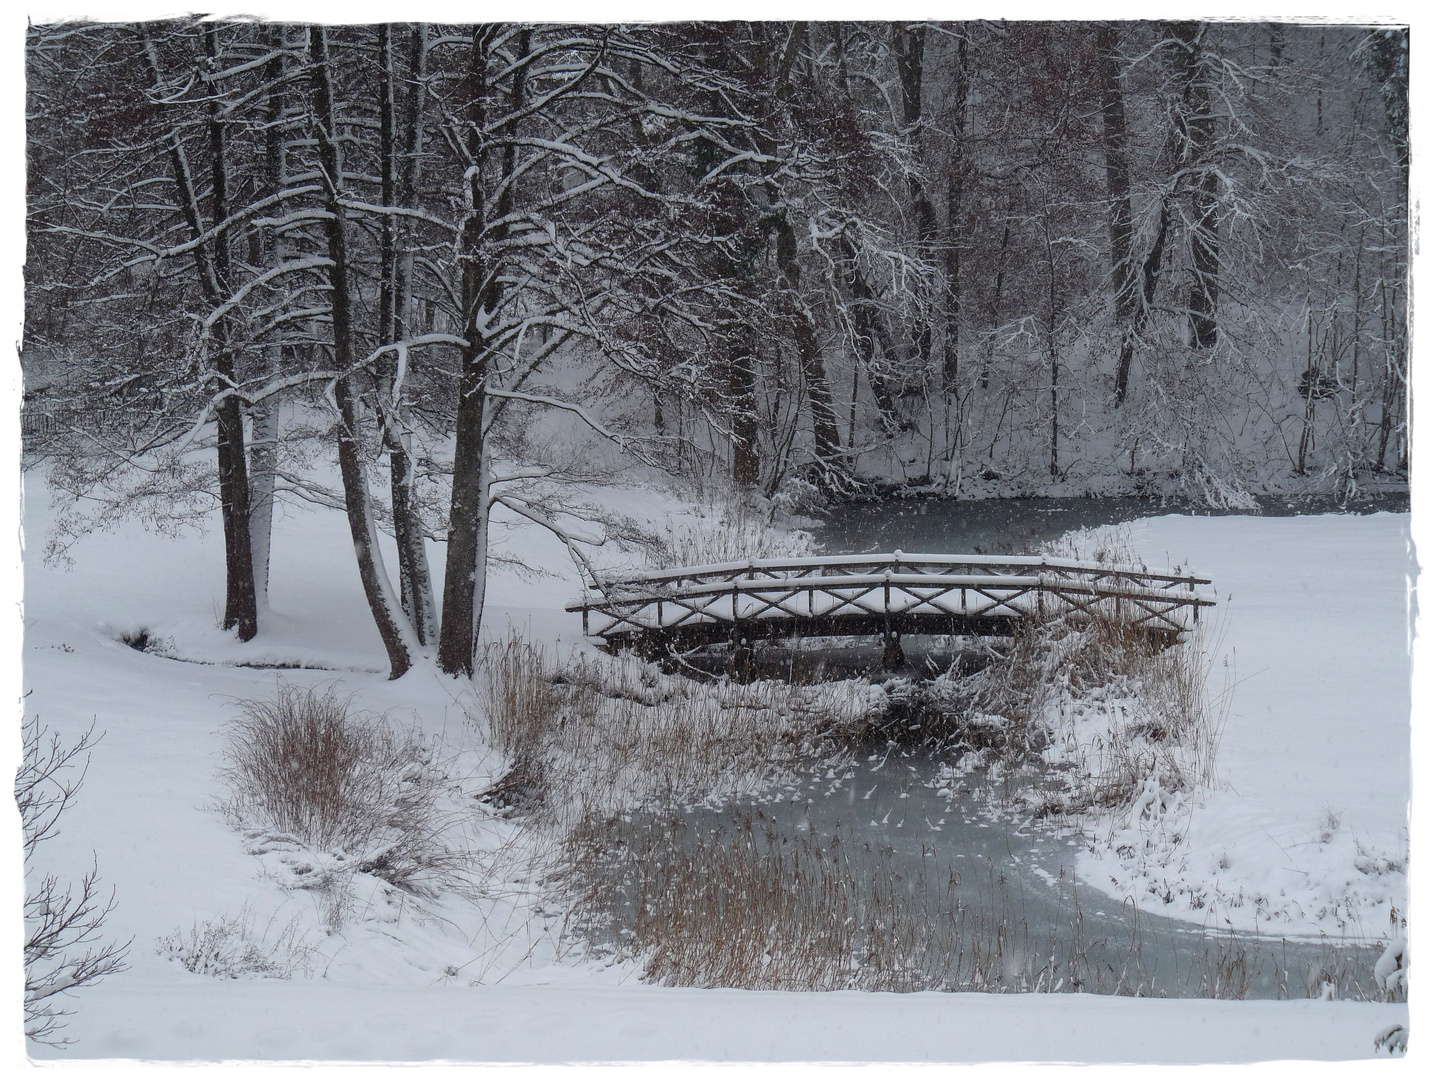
{"type": "Point", "coordinates": [64, 947]}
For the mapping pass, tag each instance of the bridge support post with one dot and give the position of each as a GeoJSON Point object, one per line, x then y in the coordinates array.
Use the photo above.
{"type": "Point", "coordinates": [742, 665]}
{"type": "Point", "coordinates": [893, 656]}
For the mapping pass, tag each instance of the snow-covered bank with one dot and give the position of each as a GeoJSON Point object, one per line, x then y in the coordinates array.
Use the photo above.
{"type": "Point", "coordinates": [394, 984]}
{"type": "Point", "coordinates": [1306, 832]}
{"type": "Point", "coordinates": [589, 1021]}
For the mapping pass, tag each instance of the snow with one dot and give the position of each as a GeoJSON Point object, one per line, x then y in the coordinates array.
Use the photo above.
{"type": "Point", "coordinates": [1306, 833]}
{"type": "Point", "coordinates": [389, 976]}
{"type": "Point", "coordinates": [585, 1022]}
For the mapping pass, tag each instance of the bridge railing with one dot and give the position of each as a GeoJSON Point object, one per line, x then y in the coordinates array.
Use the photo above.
{"type": "Point", "coordinates": [819, 594]}
{"type": "Point", "coordinates": [898, 562]}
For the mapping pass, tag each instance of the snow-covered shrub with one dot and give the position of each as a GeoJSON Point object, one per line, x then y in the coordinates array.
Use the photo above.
{"type": "Point", "coordinates": [305, 765]}
{"type": "Point", "coordinates": [1391, 970]}
{"type": "Point", "coordinates": [228, 947]}
{"type": "Point", "coordinates": [1392, 1040]}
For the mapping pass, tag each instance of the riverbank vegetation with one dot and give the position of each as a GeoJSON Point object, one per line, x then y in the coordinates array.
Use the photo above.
{"type": "Point", "coordinates": [1075, 724]}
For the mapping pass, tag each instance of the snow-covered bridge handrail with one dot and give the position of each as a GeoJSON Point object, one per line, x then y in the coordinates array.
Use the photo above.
{"type": "Point", "coordinates": [887, 595]}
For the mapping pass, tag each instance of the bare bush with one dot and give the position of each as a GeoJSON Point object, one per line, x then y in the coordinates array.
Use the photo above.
{"type": "Point", "coordinates": [306, 765]}
{"type": "Point", "coordinates": [229, 947]}
{"type": "Point", "coordinates": [63, 947]}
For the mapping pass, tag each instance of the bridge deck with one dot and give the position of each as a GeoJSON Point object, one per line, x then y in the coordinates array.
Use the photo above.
{"type": "Point", "coordinates": [881, 595]}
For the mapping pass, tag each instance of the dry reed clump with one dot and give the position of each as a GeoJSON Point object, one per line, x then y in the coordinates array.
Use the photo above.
{"type": "Point", "coordinates": [759, 908]}
{"type": "Point", "coordinates": [739, 533]}
{"type": "Point", "coordinates": [305, 765]}
{"type": "Point", "coordinates": [1094, 697]}
{"type": "Point", "coordinates": [1120, 711]}
{"type": "Point", "coordinates": [598, 735]}
{"type": "Point", "coordinates": [1136, 716]}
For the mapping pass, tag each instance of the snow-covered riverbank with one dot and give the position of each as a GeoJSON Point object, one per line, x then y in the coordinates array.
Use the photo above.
{"type": "Point", "coordinates": [1306, 832]}
{"type": "Point", "coordinates": [1316, 621]}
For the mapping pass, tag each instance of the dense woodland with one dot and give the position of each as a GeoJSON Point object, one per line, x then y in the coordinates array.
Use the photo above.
{"type": "Point", "coordinates": [482, 265]}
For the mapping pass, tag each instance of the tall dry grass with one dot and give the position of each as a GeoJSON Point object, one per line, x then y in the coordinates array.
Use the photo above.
{"type": "Point", "coordinates": [306, 764]}
{"type": "Point", "coordinates": [1121, 715]}
{"type": "Point", "coordinates": [597, 735]}
{"type": "Point", "coordinates": [737, 533]}
{"type": "Point", "coordinates": [762, 909]}
{"type": "Point", "coordinates": [752, 905]}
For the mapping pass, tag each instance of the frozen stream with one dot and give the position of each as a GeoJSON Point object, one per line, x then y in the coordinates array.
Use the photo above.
{"type": "Point", "coordinates": [1017, 874]}
{"type": "Point", "coordinates": [1016, 871]}
{"type": "Point", "coordinates": [951, 846]}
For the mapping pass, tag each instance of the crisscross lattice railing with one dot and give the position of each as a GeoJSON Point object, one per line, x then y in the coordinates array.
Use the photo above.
{"type": "Point", "coordinates": [882, 594]}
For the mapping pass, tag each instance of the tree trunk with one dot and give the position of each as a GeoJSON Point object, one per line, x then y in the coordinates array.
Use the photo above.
{"type": "Point", "coordinates": [741, 364]}
{"type": "Point", "coordinates": [398, 637]}
{"type": "Point", "coordinates": [464, 583]}
{"type": "Point", "coordinates": [1204, 238]}
{"type": "Point", "coordinates": [1053, 351]}
{"type": "Point", "coordinates": [910, 65]}
{"type": "Point", "coordinates": [870, 330]}
{"type": "Point", "coordinates": [955, 197]}
{"type": "Point", "coordinates": [827, 449]}
{"type": "Point", "coordinates": [400, 187]}
{"type": "Point", "coordinates": [1117, 190]}
{"type": "Point", "coordinates": [954, 208]}
{"type": "Point", "coordinates": [212, 264]}
{"type": "Point", "coordinates": [240, 603]}
{"type": "Point", "coordinates": [264, 417]}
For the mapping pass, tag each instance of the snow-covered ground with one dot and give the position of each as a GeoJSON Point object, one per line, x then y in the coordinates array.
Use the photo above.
{"type": "Point", "coordinates": [1306, 831]}
{"type": "Point", "coordinates": [1314, 612]}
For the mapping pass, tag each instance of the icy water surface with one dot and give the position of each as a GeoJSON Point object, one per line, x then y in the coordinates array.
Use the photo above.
{"type": "Point", "coordinates": [1015, 873]}
{"type": "Point", "coordinates": [1013, 878]}
{"type": "Point", "coordinates": [906, 819]}
{"type": "Point", "coordinates": [935, 525]}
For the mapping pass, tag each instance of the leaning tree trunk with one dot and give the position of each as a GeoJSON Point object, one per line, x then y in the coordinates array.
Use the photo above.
{"type": "Point", "coordinates": [869, 331]}
{"type": "Point", "coordinates": [400, 188]}
{"type": "Point", "coordinates": [954, 208]}
{"type": "Point", "coordinates": [910, 65]}
{"type": "Point", "coordinates": [1204, 238]}
{"type": "Point", "coordinates": [828, 469]}
{"type": "Point", "coordinates": [393, 627]}
{"type": "Point", "coordinates": [741, 375]}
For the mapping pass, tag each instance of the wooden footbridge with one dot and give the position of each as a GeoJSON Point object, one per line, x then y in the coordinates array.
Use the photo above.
{"type": "Point", "coordinates": [881, 596]}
